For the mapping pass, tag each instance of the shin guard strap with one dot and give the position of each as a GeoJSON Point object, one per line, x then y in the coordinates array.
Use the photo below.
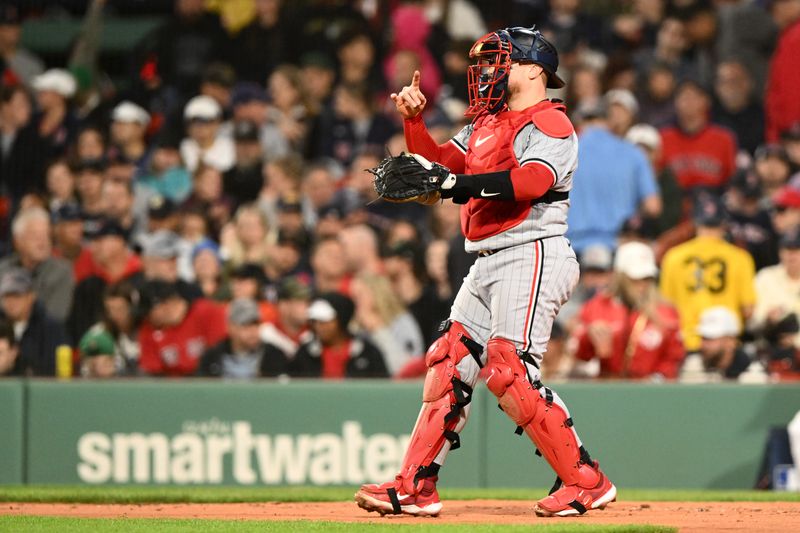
{"type": "Point", "coordinates": [578, 506]}
{"type": "Point", "coordinates": [393, 498]}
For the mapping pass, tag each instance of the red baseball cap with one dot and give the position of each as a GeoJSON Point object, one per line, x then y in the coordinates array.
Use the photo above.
{"type": "Point", "coordinates": [788, 197]}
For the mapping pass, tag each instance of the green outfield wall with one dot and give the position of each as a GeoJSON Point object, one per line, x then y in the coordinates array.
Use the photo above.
{"type": "Point", "coordinates": [320, 433]}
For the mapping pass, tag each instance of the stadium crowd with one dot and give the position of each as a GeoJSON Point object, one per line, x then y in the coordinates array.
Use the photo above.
{"type": "Point", "coordinates": [210, 213]}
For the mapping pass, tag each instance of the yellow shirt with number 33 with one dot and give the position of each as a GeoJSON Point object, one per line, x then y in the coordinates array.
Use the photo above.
{"type": "Point", "coordinates": [702, 273]}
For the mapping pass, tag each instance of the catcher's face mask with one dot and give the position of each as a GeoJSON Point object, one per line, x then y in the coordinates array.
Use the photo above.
{"type": "Point", "coordinates": [487, 77]}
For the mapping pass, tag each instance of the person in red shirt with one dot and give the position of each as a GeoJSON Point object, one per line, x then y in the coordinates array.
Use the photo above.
{"type": "Point", "coordinates": [699, 153]}
{"type": "Point", "coordinates": [629, 328]}
{"type": "Point", "coordinates": [176, 332]}
{"type": "Point", "coordinates": [783, 85]}
{"type": "Point", "coordinates": [333, 352]}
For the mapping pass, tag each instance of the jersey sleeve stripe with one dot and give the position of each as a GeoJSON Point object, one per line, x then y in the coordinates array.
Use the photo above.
{"type": "Point", "coordinates": [459, 145]}
{"type": "Point", "coordinates": [541, 162]}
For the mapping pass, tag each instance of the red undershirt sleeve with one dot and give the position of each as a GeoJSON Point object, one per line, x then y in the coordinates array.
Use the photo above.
{"type": "Point", "coordinates": [531, 181]}
{"type": "Point", "coordinates": [419, 141]}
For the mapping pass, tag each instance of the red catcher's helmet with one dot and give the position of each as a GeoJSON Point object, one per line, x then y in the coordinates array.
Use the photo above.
{"type": "Point", "coordinates": [487, 79]}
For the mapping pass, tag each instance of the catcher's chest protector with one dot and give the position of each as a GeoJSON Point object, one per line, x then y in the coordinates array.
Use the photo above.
{"type": "Point", "coordinates": [491, 149]}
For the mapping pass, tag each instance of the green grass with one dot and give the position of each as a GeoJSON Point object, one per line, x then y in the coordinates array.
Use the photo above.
{"type": "Point", "coordinates": [101, 525]}
{"type": "Point", "coordinates": [110, 494]}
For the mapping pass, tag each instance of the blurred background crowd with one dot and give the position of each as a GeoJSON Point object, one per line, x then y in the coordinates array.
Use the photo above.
{"type": "Point", "coordinates": [196, 203]}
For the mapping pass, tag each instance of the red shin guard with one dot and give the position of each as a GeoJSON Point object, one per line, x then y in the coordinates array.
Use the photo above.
{"type": "Point", "coordinates": [544, 421]}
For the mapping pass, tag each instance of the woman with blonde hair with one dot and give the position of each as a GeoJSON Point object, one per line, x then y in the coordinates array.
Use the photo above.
{"type": "Point", "coordinates": [629, 328]}
{"type": "Point", "coordinates": [386, 321]}
{"type": "Point", "coordinates": [247, 239]}
{"type": "Point", "coordinates": [291, 109]}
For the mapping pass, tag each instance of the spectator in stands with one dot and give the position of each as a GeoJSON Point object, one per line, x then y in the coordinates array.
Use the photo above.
{"type": "Point", "coordinates": [410, 36]}
{"type": "Point", "coordinates": [786, 210]}
{"type": "Point", "coordinates": [750, 224]}
{"type": "Point", "coordinates": [263, 44]}
{"type": "Point", "coordinates": [782, 107]}
{"type": "Point", "coordinates": [249, 101]}
{"type": "Point", "coordinates": [707, 271]}
{"type": "Point", "coordinates": [361, 250]}
{"type": "Point", "coordinates": [282, 179]}
{"type": "Point", "coordinates": [97, 354]}
{"type": "Point", "coordinates": [669, 50]}
{"type": "Point", "coordinates": [175, 332]}
{"type": "Point", "coordinates": [128, 128]}
{"type": "Point", "coordinates": [52, 276]}
{"type": "Point", "coordinates": [89, 177]}
{"type": "Point", "coordinates": [405, 267]}
{"type": "Point", "coordinates": [67, 233]}
{"type": "Point", "coordinates": [207, 265]}
{"type": "Point", "coordinates": [8, 349]}
{"type": "Point", "coordinates": [648, 139]}
{"type": "Point", "coordinates": [37, 333]}
{"type": "Point", "coordinates": [318, 74]}
{"type": "Point", "coordinates": [217, 82]}
{"type": "Point", "coordinates": [24, 64]}
{"type": "Point", "coordinates": [771, 165]}
{"type": "Point", "coordinates": [242, 354]}
{"type": "Point", "coordinates": [356, 54]}
{"type": "Point", "coordinates": [790, 140]}
{"type": "Point", "coordinates": [598, 211]}
{"type": "Point", "coordinates": [622, 111]}
{"type": "Point", "coordinates": [90, 144]}
{"type": "Point", "coordinates": [118, 204]}
{"type": "Point", "coordinates": [333, 352]}
{"type": "Point", "coordinates": [23, 156]}
{"type": "Point", "coordinates": [204, 145]}
{"type": "Point", "coordinates": [166, 176]}
{"type": "Point", "coordinates": [628, 327]}
{"type": "Point", "coordinates": [656, 101]}
{"type": "Point", "coordinates": [290, 327]}
{"type": "Point", "coordinates": [290, 109]}
{"type": "Point", "coordinates": [721, 357]}
{"type": "Point", "coordinates": [55, 122]}
{"type": "Point", "coordinates": [209, 197]}
{"type": "Point", "coordinates": [249, 238]}
{"type": "Point", "coordinates": [386, 322]}
{"type": "Point", "coordinates": [319, 189]}
{"type": "Point", "coordinates": [782, 355]}
{"type": "Point", "coordinates": [778, 287]}
{"type": "Point", "coordinates": [181, 48]}
{"type": "Point", "coordinates": [60, 183]}
{"type": "Point", "coordinates": [701, 154]}
{"type": "Point", "coordinates": [248, 281]}
{"type": "Point", "coordinates": [436, 268]}
{"type": "Point", "coordinates": [244, 181]}
{"type": "Point", "coordinates": [354, 125]}
{"type": "Point", "coordinates": [596, 276]}
{"type": "Point", "coordinates": [167, 257]}
{"type": "Point", "coordinates": [736, 106]}
{"type": "Point", "coordinates": [329, 266]}
{"type": "Point", "coordinates": [109, 261]}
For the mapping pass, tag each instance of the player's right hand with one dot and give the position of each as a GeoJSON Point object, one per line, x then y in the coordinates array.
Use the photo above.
{"type": "Point", "coordinates": [410, 101]}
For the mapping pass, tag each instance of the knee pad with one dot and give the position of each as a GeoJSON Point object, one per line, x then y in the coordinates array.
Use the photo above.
{"type": "Point", "coordinates": [546, 423]}
{"type": "Point", "coordinates": [445, 397]}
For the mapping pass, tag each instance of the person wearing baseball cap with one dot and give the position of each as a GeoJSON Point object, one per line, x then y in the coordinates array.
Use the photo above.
{"type": "Point", "coordinates": [129, 123]}
{"type": "Point", "coordinates": [622, 108]}
{"type": "Point", "coordinates": [98, 350]}
{"type": "Point", "coordinates": [786, 209]}
{"type": "Point", "coordinates": [291, 324]}
{"type": "Point", "coordinates": [243, 354]}
{"type": "Point", "coordinates": [244, 181]}
{"type": "Point", "coordinates": [176, 332]}
{"type": "Point", "coordinates": [56, 122]}
{"type": "Point", "coordinates": [37, 334]}
{"type": "Point", "coordinates": [67, 231]}
{"type": "Point", "coordinates": [707, 271]}
{"type": "Point", "coordinates": [721, 356]}
{"type": "Point", "coordinates": [749, 221]}
{"type": "Point", "coordinates": [334, 352]}
{"type": "Point", "coordinates": [204, 144]}
{"type": "Point", "coordinates": [629, 328]}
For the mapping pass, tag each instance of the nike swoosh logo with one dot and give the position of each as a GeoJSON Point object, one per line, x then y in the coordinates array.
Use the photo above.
{"type": "Point", "coordinates": [485, 194]}
{"type": "Point", "coordinates": [479, 141]}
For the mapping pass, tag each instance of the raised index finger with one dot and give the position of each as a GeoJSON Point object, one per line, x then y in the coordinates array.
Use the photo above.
{"type": "Point", "coordinates": [415, 80]}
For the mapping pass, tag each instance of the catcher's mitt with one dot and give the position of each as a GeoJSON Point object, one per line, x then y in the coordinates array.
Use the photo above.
{"type": "Point", "coordinates": [409, 178]}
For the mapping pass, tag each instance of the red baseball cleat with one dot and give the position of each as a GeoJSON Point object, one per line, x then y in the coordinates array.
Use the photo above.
{"type": "Point", "coordinates": [391, 498]}
{"type": "Point", "coordinates": [575, 500]}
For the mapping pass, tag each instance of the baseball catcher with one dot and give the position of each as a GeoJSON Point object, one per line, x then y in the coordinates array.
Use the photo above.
{"type": "Point", "coordinates": [511, 168]}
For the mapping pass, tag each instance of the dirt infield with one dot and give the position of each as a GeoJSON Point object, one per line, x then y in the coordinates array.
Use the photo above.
{"type": "Point", "coordinates": [688, 516]}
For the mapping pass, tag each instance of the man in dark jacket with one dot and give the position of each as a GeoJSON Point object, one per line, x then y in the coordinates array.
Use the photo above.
{"type": "Point", "coordinates": [242, 355]}
{"type": "Point", "coordinates": [36, 333]}
{"type": "Point", "coordinates": [333, 352]}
